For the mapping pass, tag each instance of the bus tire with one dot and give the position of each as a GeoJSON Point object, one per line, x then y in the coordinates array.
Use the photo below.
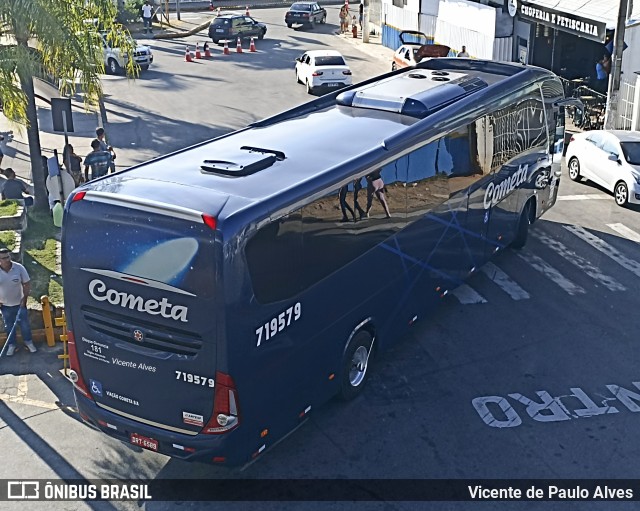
{"type": "Point", "coordinates": [355, 365]}
{"type": "Point", "coordinates": [523, 227]}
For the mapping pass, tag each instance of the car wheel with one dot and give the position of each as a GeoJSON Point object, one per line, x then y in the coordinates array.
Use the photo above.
{"type": "Point", "coordinates": [113, 66]}
{"type": "Point", "coordinates": [298, 78]}
{"type": "Point", "coordinates": [323, 20]}
{"type": "Point", "coordinates": [312, 23]}
{"type": "Point", "coordinates": [215, 41]}
{"type": "Point", "coordinates": [574, 169]}
{"type": "Point", "coordinates": [144, 67]}
{"type": "Point", "coordinates": [288, 25]}
{"type": "Point", "coordinates": [621, 193]}
{"type": "Point", "coordinates": [523, 227]}
{"type": "Point", "coordinates": [394, 67]}
{"type": "Point", "coordinates": [309, 88]}
{"type": "Point", "coordinates": [355, 365]}
{"type": "Point", "coordinates": [261, 34]}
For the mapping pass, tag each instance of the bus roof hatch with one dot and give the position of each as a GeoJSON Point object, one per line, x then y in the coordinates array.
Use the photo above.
{"type": "Point", "coordinates": [417, 93]}
{"type": "Point", "coordinates": [247, 160]}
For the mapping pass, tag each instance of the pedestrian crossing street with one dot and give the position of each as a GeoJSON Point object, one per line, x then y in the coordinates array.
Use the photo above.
{"type": "Point", "coordinates": [572, 259]}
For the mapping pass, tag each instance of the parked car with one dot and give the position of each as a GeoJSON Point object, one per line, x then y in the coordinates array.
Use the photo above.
{"type": "Point", "coordinates": [610, 159]}
{"type": "Point", "coordinates": [414, 48]}
{"type": "Point", "coordinates": [305, 13]}
{"type": "Point", "coordinates": [322, 69]}
{"type": "Point", "coordinates": [230, 26]}
{"type": "Point", "coordinates": [115, 61]}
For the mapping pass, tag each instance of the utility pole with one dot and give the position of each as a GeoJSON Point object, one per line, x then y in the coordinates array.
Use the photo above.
{"type": "Point", "coordinates": [365, 21]}
{"type": "Point", "coordinates": [616, 67]}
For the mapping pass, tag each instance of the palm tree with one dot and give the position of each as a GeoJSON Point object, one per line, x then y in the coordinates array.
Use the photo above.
{"type": "Point", "coordinates": [57, 39]}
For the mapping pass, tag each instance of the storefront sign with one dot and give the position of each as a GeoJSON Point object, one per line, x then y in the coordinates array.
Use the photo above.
{"type": "Point", "coordinates": [566, 21]}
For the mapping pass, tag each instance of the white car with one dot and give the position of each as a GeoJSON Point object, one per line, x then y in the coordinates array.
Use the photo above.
{"type": "Point", "coordinates": [115, 62]}
{"type": "Point", "coordinates": [322, 69]}
{"type": "Point", "coordinates": [610, 159]}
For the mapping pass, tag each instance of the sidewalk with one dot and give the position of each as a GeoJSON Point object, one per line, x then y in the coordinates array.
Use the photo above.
{"type": "Point", "coordinates": [16, 151]}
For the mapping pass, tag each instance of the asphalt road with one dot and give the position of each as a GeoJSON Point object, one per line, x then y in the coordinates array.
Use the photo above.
{"type": "Point", "coordinates": [531, 371]}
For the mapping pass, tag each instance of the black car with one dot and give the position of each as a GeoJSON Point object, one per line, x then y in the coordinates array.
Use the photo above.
{"type": "Point", "coordinates": [305, 13]}
{"type": "Point", "coordinates": [231, 26]}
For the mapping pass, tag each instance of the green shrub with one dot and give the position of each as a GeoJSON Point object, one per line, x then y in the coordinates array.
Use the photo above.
{"type": "Point", "coordinates": [8, 207]}
{"type": "Point", "coordinates": [8, 239]}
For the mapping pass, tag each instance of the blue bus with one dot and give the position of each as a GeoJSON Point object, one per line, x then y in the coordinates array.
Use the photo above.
{"type": "Point", "coordinates": [217, 295]}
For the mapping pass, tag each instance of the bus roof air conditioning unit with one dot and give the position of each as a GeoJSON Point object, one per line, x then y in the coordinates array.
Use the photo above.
{"type": "Point", "coordinates": [416, 93]}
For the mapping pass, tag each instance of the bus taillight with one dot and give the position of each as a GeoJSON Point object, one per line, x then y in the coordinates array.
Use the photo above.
{"type": "Point", "coordinates": [225, 414]}
{"type": "Point", "coordinates": [75, 374]}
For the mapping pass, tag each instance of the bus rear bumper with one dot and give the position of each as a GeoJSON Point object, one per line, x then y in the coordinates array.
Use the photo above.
{"type": "Point", "coordinates": [218, 449]}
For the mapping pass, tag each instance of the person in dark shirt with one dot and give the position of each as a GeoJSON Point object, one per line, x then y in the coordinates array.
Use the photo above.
{"type": "Point", "coordinates": [72, 162]}
{"type": "Point", "coordinates": [98, 160]}
{"type": "Point", "coordinates": [14, 188]}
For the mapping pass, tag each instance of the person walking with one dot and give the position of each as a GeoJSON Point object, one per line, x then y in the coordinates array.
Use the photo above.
{"type": "Point", "coordinates": [344, 19]}
{"type": "Point", "coordinates": [98, 160]}
{"type": "Point", "coordinates": [15, 286]}
{"type": "Point", "coordinates": [147, 15]}
{"type": "Point", "coordinates": [73, 164]}
{"type": "Point", "coordinates": [101, 137]}
{"type": "Point", "coordinates": [361, 13]}
{"type": "Point", "coordinates": [375, 186]}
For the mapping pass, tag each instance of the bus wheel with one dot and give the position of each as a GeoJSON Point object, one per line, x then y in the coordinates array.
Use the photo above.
{"type": "Point", "coordinates": [523, 227]}
{"type": "Point", "coordinates": [355, 365]}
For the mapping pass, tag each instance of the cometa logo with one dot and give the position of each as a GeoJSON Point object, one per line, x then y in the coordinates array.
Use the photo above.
{"type": "Point", "coordinates": [495, 193]}
{"type": "Point", "coordinates": [164, 308]}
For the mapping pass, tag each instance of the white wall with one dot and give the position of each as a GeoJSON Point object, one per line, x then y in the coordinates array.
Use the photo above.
{"type": "Point", "coordinates": [469, 24]}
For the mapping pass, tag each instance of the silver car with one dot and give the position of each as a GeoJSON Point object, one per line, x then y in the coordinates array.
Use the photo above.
{"type": "Point", "coordinates": [610, 159]}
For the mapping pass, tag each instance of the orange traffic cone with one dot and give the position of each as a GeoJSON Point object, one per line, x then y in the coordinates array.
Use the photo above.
{"type": "Point", "coordinates": [246, 12]}
{"type": "Point", "coordinates": [187, 56]}
{"type": "Point", "coordinates": [252, 46]}
{"type": "Point", "coordinates": [239, 46]}
{"type": "Point", "coordinates": [211, 5]}
{"type": "Point", "coordinates": [207, 51]}
{"type": "Point", "coordinates": [226, 48]}
{"type": "Point", "coordinates": [198, 54]}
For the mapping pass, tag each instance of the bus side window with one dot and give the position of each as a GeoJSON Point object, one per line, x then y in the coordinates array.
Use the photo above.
{"type": "Point", "coordinates": [274, 259]}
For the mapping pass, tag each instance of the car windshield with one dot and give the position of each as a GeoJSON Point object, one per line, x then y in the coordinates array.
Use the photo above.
{"type": "Point", "coordinates": [631, 151]}
{"type": "Point", "coordinates": [332, 60]}
{"type": "Point", "coordinates": [301, 7]}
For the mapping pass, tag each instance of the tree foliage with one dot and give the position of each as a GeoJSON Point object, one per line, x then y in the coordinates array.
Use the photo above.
{"type": "Point", "coordinates": [58, 40]}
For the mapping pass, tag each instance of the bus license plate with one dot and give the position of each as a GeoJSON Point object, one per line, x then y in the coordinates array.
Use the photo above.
{"type": "Point", "coordinates": [143, 441]}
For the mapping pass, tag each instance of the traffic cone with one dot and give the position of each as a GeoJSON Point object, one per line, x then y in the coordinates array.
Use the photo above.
{"type": "Point", "coordinates": [198, 54]}
{"type": "Point", "coordinates": [252, 46]}
{"type": "Point", "coordinates": [207, 51]}
{"type": "Point", "coordinates": [187, 56]}
{"type": "Point", "coordinates": [226, 48]}
{"type": "Point", "coordinates": [239, 46]}
{"type": "Point", "coordinates": [246, 12]}
{"type": "Point", "coordinates": [211, 5]}
{"type": "Point", "coordinates": [218, 13]}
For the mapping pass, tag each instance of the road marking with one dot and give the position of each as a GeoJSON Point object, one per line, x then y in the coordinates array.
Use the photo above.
{"type": "Point", "coordinates": [466, 295]}
{"type": "Point", "coordinates": [504, 281]}
{"type": "Point", "coordinates": [580, 262]}
{"type": "Point", "coordinates": [605, 248]}
{"type": "Point", "coordinates": [586, 196]}
{"type": "Point", "coordinates": [21, 396]}
{"type": "Point", "coordinates": [630, 234]}
{"type": "Point", "coordinates": [551, 273]}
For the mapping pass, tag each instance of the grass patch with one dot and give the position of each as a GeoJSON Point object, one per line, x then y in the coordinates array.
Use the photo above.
{"type": "Point", "coordinates": [40, 260]}
{"type": "Point", "coordinates": [8, 207]}
{"type": "Point", "coordinates": [8, 239]}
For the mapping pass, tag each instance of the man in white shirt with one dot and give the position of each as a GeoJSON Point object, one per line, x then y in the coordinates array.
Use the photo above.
{"type": "Point", "coordinates": [463, 53]}
{"type": "Point", "coordinates": [147, 14]}
{"type": "Point", "coordinates": [15, 286]}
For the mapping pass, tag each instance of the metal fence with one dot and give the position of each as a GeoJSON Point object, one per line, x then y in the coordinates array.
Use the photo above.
{"type": "Point", "coordinates": [626, 105]}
